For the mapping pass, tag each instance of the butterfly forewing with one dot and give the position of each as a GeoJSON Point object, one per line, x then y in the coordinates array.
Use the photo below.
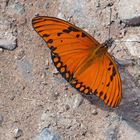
{"type": "Point", "coordinates": [71, 48]}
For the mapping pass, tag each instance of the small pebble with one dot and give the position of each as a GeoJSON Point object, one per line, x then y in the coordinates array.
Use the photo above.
{"type": "Point", "coordinates": [83, 132]}
{"type": "Point", "coordinates": [94, 112]}
{"type": "Point", "coordinates": [1, 50]}
{"type": "Point", "coordinates": [19, 8]}
{"type": "Point", "coordinates": [110, 4]}
{"type": "Point", "coordinates": [55, 96]}
{"type": "Point", "coordinates": [98, 3]}
{"type": "Point", "coordinates": [12, 97]}
{"type": "Point", "coordinates": [47, 64]}
{"type": "Point", "coordinates": [136, 103]}
{"type": "Point", "coordinates": [67, 107]}
{"type": "Point", "coordinates": [55, 71]}
{"type": "Point", "coordinates": [45, 134]}
{"type": "Point", "coordinates": [1, 119]}
{"type": "Point", "coordinates": [18, 133]}
{"type": "Point", "coordinates": [47, 5]}
{"type": "Point", "coordinates": [78, 100]}
{"type": "Point", "coordinates": [20, 54]}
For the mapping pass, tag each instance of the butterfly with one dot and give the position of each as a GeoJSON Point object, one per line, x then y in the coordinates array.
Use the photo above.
{"type": "Point", "coordinates": [81, 60]}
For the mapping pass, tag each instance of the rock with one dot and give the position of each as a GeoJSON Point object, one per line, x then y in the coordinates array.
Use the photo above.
{"type": "Point", "coordinates": [47, 5]}
{"type": "Point", "coordinates": [18, 133]}
{"type": "Point", "coordinates": [129, 9]}
{"type": "Point", "coordinates": [9, 44]}
{"type": "Point", "coordinates": [45, 134]}
{"type": "Point", "coordinates": [132, 22]}
{"type": "Point", "coordinates": [94, 112]}
{"type": "Point", "coordinates": [55, 71]}
{"type": "Point", "coordinates": [19, 8]}
{"type": "Point", "coordinates": [77, 101]}
{"type": "Point", "coordinates": [8, 34]}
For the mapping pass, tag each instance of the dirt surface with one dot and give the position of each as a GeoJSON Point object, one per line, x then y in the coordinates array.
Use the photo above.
{"type": "Point", "coordinates": [33, 95]}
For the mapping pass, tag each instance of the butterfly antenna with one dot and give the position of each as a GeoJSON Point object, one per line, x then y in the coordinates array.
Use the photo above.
{"type": "Point", "coordinates": [110, 22]}
{"type": "Point", "coordinates": [108, 43]}
{"type": "Point", "coordinates": [111, 41]}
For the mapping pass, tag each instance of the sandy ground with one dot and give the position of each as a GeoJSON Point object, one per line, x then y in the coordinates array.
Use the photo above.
{"type": "Point", "coordinates": [33, 95]}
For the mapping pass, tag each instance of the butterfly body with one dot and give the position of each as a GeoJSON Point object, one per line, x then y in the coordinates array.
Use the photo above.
{"type": "Point", "coordinates": [81, 60]}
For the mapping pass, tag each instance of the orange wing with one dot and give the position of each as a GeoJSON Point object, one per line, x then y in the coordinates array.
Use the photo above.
{"type": "Point", "coordinates": [79, 59]}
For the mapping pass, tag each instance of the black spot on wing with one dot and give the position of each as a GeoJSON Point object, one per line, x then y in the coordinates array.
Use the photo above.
{"type": "Point", "coordinates": [59, 33]}
{"type": "Point", "coordinates": [111, 77]}
{"type": "Point", "coordinates": [41, 31]}
{"type": "Point", "coordinates": [113, 71]}
{"type": "Point", "coordinates": [109, 68]}
{"type": "Point", "coordinates": [105, 97]}
{"type": "Point", "coordinates": [46, 35]}
{"type": "Point", "coordinates": [50, 41]}
{"type": "Point", "coordinates": [83, 34]}
{"type": "Point", "coordinates": [73, 29]}
{"type": "Point", "coordinates": [70, 29]}
{"type": "Point", "coordinates": [77, 35]}
{"type": "Point", "coordinates": [95, 92]}
{"type": "Point", "coordinates": [108, 84]}
{"type": "Point", "coordinates": [101, 93]}
{"type": "Point", "coordinates": [108, 102]}
{"type": "Point", "coordinates": [71, 76]}
{"type": "Point", "coordinates": [66, 31]}
{"type": "Point", "coordinates": [110, 63]}
{"type": "Point", "coordinates": [52, 48]}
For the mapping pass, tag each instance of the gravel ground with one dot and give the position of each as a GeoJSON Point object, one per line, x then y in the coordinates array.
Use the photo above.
{"type": "Point", "coordinates": [36, 102]}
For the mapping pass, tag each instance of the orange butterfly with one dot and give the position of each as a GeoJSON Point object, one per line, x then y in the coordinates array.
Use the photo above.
{"type": "Point", "coordinates": [82, 61]}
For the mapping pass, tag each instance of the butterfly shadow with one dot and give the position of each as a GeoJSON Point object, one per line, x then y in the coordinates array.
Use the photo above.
{"type": "Point", "coordinates": [129, 109]}
{"type": "Point", "coordinates": [130, 112]}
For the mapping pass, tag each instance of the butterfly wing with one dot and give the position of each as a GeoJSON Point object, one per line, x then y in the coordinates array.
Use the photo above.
{"type": "Point", "coordinates": [71, 47]}
{"type": "Point", "coordinates": [103, 80]}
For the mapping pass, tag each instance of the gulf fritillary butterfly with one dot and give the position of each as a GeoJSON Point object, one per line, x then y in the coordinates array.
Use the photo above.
{"type": "Point", "coordinates": [82, 61]}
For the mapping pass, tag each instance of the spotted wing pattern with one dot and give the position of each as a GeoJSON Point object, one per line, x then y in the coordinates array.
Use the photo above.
{"type": "Point", "coordinates": [71, 50]}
